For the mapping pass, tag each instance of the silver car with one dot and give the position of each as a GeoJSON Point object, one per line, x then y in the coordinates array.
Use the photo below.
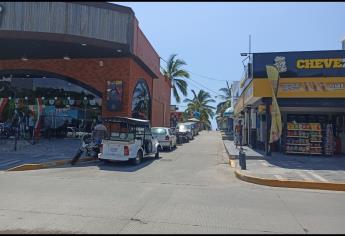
{"type": "Point", "coordinates": [165, 136]}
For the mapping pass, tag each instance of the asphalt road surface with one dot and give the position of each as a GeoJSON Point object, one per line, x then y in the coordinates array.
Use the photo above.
{"type": "Point", "coordinates": [189, 190]}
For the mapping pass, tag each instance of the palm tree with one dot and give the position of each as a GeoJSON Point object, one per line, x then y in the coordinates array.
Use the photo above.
{"type": "Point", "coordinates": [175, 74]}
{"type": "Point", "coordinates": [222, 106]}
{"type": "Point", "coordinates": [226, 103]}
{"type": "Point", "coordinates": [200, 104]}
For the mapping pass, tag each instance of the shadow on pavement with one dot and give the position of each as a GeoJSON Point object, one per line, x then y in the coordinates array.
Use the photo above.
{"type": "Point", "coordinates": [121, 166]}
{"type": "Point", "coordinates": [335, 163]}
{"type": "Point", "coordinates": [124, 166]}
{"type": "Point", "coordinates": [299, 162]}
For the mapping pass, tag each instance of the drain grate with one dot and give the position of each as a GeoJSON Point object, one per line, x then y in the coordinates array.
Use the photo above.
{"type": "Point", "coordinates": [166, 159]}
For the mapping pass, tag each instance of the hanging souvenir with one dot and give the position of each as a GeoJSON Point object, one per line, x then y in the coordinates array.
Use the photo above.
{"type": "Point", "coordinates": [92, 102]}
{"type": "Point", "coordinates": [71, 102]}
{"type": "Point", "coordinates": [58, 102]}
{"type": "Point", "coordinates": [51, 101]}
{"type": "Point", "coordinates": [3, 103]}
{"type": "Point", "coordinates": [65, 102]}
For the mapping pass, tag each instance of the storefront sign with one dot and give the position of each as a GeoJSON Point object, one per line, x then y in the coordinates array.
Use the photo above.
{"type": "Point", "coordinates": [312, 87]}
{"type": "Point", "coordinates": [114, 95]}
{"type": "Point", "coordinates": [301, 64]}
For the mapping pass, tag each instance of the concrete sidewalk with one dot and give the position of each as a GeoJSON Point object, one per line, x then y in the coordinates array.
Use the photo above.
{"type": "Point", "coordinates": [320, 172]}
{"type": "Point", "coordinates": [46, 150]}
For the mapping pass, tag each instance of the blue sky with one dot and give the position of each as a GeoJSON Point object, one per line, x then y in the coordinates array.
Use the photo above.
{"type": "Point", "coordinates": [211, 36]}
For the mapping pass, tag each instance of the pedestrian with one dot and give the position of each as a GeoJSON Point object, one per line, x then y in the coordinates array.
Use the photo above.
{"type": "Point", "coordinates": [238, 134]}
{"type": "Point", "coordinates": [21, 121]}
{"type": "Point", "coordinates": [99, 132]}
{"type": "Point", "coordinates": [31, 125]}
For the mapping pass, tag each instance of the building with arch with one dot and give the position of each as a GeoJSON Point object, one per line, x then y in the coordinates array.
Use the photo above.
{"type": "Point", "coordinates": [79, 61]}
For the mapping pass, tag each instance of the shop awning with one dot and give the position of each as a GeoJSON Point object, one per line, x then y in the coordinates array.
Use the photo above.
{"type": "Point", "coordinates": [229, 111]}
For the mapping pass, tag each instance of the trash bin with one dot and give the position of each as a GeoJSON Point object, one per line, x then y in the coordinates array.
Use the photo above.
{"type": "Point", "coordinates": [242, 159]}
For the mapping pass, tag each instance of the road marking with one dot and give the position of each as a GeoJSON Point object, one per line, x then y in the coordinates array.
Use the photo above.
{"type": "Point", "coordinates": [317, 176]}
{"type": "Point", "coordinates": [304, 176]}
{"type": "Point", "coordinates": [6, 163]}
{"type": "Point", "coordinates": [278, 177]}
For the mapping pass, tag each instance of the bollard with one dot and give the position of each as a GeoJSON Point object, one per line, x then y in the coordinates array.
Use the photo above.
{"type": "Point", "coordinates": [242, 159]}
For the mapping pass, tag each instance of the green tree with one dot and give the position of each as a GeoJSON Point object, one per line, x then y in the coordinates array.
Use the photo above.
{"type": "Point", "coordinates": [200, 103]}
{"type": "Point", "coordinates": [226, 103]}
{"type": "Point", "coordinates": [175, 74]}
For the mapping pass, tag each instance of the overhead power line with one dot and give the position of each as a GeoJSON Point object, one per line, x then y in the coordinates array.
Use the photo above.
{"type": "Point", "coordinates": [217, 94]}
{"type": "Point", "coordinates": [203, 76]}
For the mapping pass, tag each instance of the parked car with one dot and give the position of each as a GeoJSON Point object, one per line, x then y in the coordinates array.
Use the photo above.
{"type": "Point", "coordinates": [165, 136]}
{"type": "Point", "coordinates": [184, 132]}
{"type": "Point", "coordinates": [128, 139]}
{"type": "Point", "coordinates": [195, 128]}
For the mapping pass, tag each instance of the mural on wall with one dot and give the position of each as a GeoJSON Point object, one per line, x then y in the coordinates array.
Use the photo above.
{"type": "Point", "coordinates": [114, 95]}
{"type": "Point", "coordinates": [141, 101]}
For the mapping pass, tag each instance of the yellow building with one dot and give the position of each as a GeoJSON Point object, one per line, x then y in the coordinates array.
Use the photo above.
{"type": "Point", "coordinates": [311, 96]}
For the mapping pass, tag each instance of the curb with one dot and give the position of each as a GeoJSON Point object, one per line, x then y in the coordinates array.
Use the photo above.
{"type": "Point", "coordinates": [232, 159]}
{"type": "Point", "coordinates": [47, 164]}
{"type": "Point", "coordinates": [290, 183]}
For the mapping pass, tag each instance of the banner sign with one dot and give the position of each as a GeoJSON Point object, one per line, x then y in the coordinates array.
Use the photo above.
{"type": "Point", "coordinates": [276, 123]}
{"type": "Point", "coordinates": [114, 95]}
{"type": "Point", "coordinates": [301, 64]}
{"type": "Point", "coordinates": [312, 87]}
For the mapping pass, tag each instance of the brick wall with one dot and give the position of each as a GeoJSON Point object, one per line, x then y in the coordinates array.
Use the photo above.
{"type": "Point", "coordinates": [89, 71]}
{"type": "Point", "coordinates": [144, 50]}
{"type": "Point", "coordinates": [161, 102]}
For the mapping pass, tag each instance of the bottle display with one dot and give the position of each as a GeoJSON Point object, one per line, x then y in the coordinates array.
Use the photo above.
{"type": "Point", "coordinates": [304, 138]}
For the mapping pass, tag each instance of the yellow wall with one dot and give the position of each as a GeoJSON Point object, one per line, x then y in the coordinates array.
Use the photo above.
{"type": "Point", "coordinates": [327, 87]}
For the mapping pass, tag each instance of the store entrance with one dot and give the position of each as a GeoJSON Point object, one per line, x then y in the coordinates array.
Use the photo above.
{"type": "Point", "coordinates": [315, 134]}
{"type": "Point", "coordinates": [57, 106]}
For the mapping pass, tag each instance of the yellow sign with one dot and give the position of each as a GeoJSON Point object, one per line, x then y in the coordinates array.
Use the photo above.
{"type": "Point", "coordinates": [276, 123]}
{"type": "Point", "coordinates": [321, 63]}
{"type": "Point", "coordinates": [312, 87]}
{"type": "Point", "coordinates": [248, 94]}
{"type": "Point", "coordinates": [327, 87]}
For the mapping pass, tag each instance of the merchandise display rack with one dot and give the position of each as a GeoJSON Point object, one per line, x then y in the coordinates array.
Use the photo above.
{"type": "Point", "coordinates": [304, 138]}
{"type": "Point", "coordinates": [329, 142]}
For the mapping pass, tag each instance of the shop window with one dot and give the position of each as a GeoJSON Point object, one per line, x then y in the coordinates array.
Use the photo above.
{"type": "Point", "coordinates": [62, 101]}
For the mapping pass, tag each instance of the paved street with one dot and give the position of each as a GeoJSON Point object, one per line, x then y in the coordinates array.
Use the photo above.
{"type": "Point", "coordinates": [189, 190]}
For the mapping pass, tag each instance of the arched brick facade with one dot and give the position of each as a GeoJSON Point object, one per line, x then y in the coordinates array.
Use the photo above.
{"type": "Point", "coordinates": [93, 72]}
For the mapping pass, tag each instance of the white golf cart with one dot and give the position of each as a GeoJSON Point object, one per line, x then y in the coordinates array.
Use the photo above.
{"type": "Point", "coordinates": [128, 139]}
